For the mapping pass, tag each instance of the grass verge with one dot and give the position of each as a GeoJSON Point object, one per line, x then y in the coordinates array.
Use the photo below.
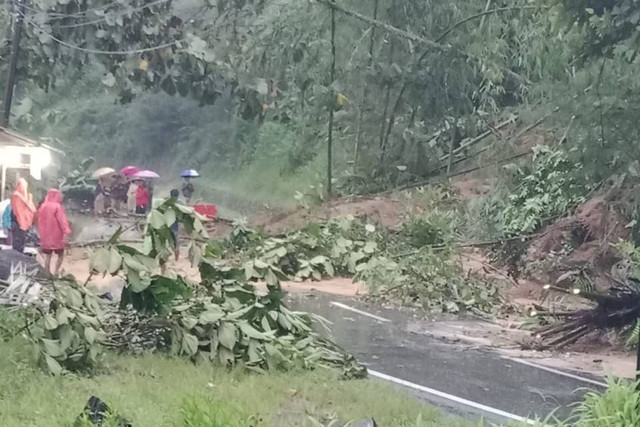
{"type": "Point", "coordinates": [155, 390]}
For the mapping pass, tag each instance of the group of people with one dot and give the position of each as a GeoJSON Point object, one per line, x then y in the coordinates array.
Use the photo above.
{"type": "Point", "coordinates": [136, 194]}
{"type": "Point", "coordinates": [22, 215]}
{"type": "Point", "coordinates": [50, 219]}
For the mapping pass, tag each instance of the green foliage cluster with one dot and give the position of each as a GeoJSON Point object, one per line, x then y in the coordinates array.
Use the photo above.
{"type": "Point", "coordinates": [255, 80]}
{"type": "Point", "coordinates": [265, 66]}
{"type": "Point", "coordinates": [609, 27]}
{"type": "Point", "coordinates": [437, 228]}
{"type": "Point", "coordinates": [222, 319]}
{"type": "Point", "coordinates": [431, 279]}
{"type": "Point", "coordinates": [545, 190]}
{"type": "Point", "coordinates": [70, 333]}
{"type": "Point", "coordinates": [343, 247]}
{"type": "Point", "coordinates": [616, 406]}
{"type": "Point", "coordinates": [550, 186]}
{"type": "Point", "coordinates": [78, 185]}
{"type": "Point", "coordinates": [410, 268]}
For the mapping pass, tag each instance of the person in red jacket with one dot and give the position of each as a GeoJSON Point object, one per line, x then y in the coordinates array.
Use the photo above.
{"type": "Point", "coordinates": [53, 227]}
{"type": "Point", "coordinates": [142, 198]}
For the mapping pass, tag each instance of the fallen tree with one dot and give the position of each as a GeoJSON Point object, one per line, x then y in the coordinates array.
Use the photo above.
{"type": "Point", "coordinates": [221, 319]}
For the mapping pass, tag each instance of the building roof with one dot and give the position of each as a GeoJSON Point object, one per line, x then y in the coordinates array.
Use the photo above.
{"type": "Point", "coordinates": [10, 138]}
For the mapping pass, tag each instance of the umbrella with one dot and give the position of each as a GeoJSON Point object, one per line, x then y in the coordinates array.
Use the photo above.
{"type": "Point", "coordinates": [129, 170]}
{"type": "Point", "coordinates": [190, 173]}
{"type": "Point", "coordinates": [102, 172]}
{"type": "Point", "coordinates": [146, 175]}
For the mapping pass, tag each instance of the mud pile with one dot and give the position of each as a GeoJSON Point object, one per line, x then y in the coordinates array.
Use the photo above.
{"type": "Point", "coordinates": [584, 242]}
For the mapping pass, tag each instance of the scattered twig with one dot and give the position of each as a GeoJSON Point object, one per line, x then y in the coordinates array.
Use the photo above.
{"type": "Point", "coordinates": [482, 136]}
{"type": "Point", "coordinates": [555, 314]}
{"type": "Point", "coordinates": [491, 267]}
{"type": "Point", "coordinates": [464, 172]}
{"type": "Point", "coordinates": [570, 338]}
{"type": "Point", "coordinates": [102, 242]}
{"type": "Point", "coordinates": [86, 282]}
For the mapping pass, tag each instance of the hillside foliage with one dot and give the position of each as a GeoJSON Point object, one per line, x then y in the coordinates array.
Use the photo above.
{"type": "Point", "coordinates": [243, 89]}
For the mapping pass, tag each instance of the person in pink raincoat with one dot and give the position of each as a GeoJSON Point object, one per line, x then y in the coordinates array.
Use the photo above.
{"type": "Point", "coordinates": [53, 227]}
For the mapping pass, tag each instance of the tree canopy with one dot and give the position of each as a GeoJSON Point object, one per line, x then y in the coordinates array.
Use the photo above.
{"type": "Point", "coordinates": [412, 79]}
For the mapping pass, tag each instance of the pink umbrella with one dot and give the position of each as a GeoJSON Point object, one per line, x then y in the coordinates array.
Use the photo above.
{"type": "Point", "coordinates": [146, 174]}
{"type": "Point", "coordinates": [129, 170]}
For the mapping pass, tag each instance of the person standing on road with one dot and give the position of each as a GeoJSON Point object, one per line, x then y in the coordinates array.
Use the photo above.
{"type": "Point", "coordinates": [187, 190]}
{"type": "Point", "coordinates": [131, 197]}
{"type": "Point", "coordinates": [99, 203]}
{"type": "Point", "coordinates": [175, 227]}
{"type": "Point", "coordinates": [119, 190]}
{"type": "Point", "coordinates": [22, 214]}
{"type": "Point", "coordinates": [53, 228]}
{"type": "Point", "coordinates": [6, 221]}
{"type": "Point", "coordinates": [142, 198]}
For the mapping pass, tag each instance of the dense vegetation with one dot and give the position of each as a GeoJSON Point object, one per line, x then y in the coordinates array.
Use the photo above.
{"type": "Point", "coordinates": [242, 90]}
{"type": "Point", "coordinates": [261, 96]}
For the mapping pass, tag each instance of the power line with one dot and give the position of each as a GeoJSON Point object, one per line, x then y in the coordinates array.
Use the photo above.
{"type": "Point", "coordinates": [60, 15]}
{"type": "Point", "coordinates": [98, 51]}
{"type": "Point", "coordinates": [104, 19]}
{"type": "Point", "coordinates": [51, 18]}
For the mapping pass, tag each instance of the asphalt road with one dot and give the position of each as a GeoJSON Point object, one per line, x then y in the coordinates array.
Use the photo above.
{"type": "Point", "coordinates": [473, 383]}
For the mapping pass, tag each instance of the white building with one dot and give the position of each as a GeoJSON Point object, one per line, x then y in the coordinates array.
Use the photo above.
{"type": "Point", "coordinates": [24, 155]}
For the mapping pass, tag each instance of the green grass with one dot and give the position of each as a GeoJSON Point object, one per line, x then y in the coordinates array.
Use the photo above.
{"type": "Point", "coordinates": [154, 390]}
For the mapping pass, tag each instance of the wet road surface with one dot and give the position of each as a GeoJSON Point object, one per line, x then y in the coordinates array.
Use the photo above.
{"type": "Point", "coordinates": [477, 375]}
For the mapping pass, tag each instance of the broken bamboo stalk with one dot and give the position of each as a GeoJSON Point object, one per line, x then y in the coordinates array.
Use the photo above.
{"type": "Point", "coordinates": [555, 329]}
{"type": "Point", "coordinates": [482, 136]}
{"type": "Point", "coordinates": [518, 136]}
{"type": "Point", "coordinates": [491, 267]}
{"type": "Point", "coordinates": [571, 338]}
{"type": "Point", "coordinates": [555, 314]}
{"type": "Point", "coordinates": [585, 294]}
{"type": "Point", "coordinates": [387, 27]}
{"type": "Point", "coordinates": [464, 172]}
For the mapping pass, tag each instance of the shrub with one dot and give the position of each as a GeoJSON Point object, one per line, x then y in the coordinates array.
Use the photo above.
{"type": "Point", "coordinates": [550, 188]}
{"type": "Point", "coordinates": [617, 406]}
{"type": "Point", "coordinates": [435, 228]}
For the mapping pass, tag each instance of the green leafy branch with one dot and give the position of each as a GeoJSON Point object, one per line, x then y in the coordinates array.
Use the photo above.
{"type": "Point", "coordinates": [222, 319]}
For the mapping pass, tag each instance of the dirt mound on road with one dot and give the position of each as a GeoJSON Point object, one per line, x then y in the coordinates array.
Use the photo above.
{"type": "Point", "coordinates": [583, 241]}
{"type": "Point", "coordinates": [384, 210]}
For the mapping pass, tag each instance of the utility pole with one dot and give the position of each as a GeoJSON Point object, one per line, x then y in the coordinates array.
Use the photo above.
{"type": "Point", "coordinates": [13, 63]}
{"type": "Point", "coordinates": [332, 105]}
{"type": "Point", "coordinates": [638, 359]}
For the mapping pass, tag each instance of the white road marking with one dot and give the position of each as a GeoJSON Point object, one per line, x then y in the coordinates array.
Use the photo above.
{"type": "Point", "coordinates": [457, 399]}
{"type": "Point", "coordinates": [556, 371]}
{"type": "Point", "coordinates": [484, 408]}
{"type": "Point", "coordinates": [355, 310]}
